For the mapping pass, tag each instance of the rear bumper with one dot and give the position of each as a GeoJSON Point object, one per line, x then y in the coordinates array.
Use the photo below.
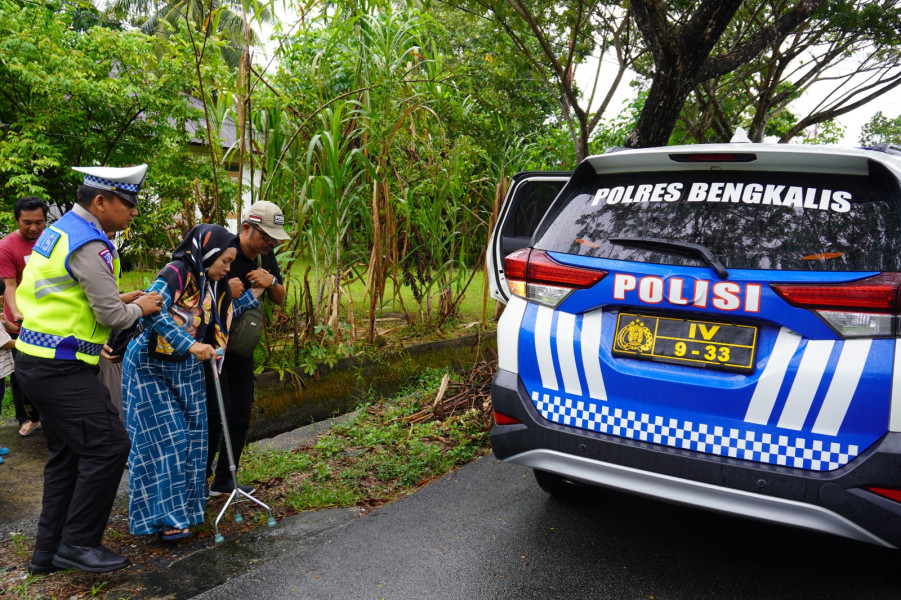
{"type": "Point", "coordinates": [832, 502]}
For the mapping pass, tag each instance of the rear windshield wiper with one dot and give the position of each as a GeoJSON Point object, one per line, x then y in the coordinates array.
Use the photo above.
{"type": "Point", "coordinates": [674, 247]}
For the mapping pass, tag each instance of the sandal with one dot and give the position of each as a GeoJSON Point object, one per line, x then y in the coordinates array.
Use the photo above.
{"type": "Point", "coordinates": [29, 427]}
{"type": "Point", "coordinates": [176, 534]}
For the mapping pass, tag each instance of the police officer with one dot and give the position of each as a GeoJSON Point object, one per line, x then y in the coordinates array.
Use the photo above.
{"type": "Point", "coordinates": [70, 299]}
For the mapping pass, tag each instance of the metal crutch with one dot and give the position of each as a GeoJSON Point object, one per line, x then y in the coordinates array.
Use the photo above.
{"type": "Point", "coordinates": [236, 492]}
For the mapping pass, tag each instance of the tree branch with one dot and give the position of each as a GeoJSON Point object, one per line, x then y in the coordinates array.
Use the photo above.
{"type": "Point", "coordinates": [716, 66]}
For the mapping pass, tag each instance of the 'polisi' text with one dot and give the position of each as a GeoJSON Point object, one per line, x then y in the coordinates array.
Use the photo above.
{"type": "Point", "coordinates": [721, 295]}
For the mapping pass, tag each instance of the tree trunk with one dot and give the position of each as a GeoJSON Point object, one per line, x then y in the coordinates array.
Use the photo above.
{"type": "Point", "coordinates": [661, 109]}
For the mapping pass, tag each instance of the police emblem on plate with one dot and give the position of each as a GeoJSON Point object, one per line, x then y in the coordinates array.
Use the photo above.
{"type": "Point", "coordinates": [635, 337]}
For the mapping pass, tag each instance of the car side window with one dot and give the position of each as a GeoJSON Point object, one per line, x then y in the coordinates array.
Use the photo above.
{"type": "Point", "coordinates": [534, 199]}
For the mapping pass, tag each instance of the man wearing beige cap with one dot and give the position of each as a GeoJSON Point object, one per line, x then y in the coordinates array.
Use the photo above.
{"type": "Point", "coordinates": [254, 266]}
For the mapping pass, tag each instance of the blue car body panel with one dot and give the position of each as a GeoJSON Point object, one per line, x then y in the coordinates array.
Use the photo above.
{"type": "Point", "coordinates": [812, 401]}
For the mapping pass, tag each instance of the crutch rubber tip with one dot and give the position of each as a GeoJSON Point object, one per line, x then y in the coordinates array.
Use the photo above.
{"type": "Point", "coordinates": [238, 518]}
{"type": "Point", "coordinates": [219, 538]}
{"type": "Point", "coordinates": [271, 522]}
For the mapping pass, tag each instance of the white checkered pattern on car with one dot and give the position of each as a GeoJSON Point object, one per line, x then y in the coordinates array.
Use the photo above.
{"type": "Point", "coordinates": [786, 450]}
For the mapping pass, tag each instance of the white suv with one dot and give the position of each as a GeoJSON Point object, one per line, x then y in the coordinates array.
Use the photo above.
{"type": "Point", "coordinates": [713, 325]}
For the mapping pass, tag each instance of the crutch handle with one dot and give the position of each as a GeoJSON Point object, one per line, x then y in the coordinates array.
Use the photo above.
{"type": "Point", "coordinates": [218, 355]}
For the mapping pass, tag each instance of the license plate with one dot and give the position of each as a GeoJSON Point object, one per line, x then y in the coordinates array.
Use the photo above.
{"type": "Point", "coordinates": [686, 342]}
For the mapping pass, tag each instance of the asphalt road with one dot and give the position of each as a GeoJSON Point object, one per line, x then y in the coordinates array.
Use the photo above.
{"type": "Point", "coordinates": [487, 531]}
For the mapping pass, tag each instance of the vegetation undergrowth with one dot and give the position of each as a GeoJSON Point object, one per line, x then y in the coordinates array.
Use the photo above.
{"type": "Point", "coordinates": [396, 297]}
{"type": "Point", "coordinates": [381, 453]}
{"type": "Point", "coordinates": [7, 409]}
{"type": "Point", "coordinates": [293, 341]}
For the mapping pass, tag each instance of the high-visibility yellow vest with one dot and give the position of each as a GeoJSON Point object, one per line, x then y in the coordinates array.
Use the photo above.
{"type": "Point", "coordinates": [58, 320]}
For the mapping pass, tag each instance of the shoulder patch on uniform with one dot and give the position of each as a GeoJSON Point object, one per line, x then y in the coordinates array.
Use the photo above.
{"type": "Point", "coordinates": [44, 245]}
{"type": "Point", "coordinates": [107, 257]}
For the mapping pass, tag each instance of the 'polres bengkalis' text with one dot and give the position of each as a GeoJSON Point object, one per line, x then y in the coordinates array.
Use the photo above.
{"type": "Point", "coordinates": [747, 193]}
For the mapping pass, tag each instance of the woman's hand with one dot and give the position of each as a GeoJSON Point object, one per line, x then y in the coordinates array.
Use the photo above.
{"type": "Point", "coordinates": [202, 351]}
{"type": "Point", "coordinates": [236, 286]}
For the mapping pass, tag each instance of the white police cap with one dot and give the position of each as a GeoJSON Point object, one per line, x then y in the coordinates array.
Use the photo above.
{"type": "Point", "coordinates": [123, 181]}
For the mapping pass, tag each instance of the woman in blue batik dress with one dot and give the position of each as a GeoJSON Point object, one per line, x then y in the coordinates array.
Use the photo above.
{"type": "Point", "coordinates": [163, 389]}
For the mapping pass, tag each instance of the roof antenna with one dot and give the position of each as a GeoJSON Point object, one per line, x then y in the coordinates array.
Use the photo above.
{"type": "Point", "coordinates": [740, 137]}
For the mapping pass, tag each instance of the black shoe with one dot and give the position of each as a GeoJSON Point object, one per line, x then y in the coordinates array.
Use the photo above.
{"type": "Point", "coordinates": [228, 488]}
{"type": "Point", "coordinates": [42, 563]}
{"type": "Point", "coordinates": [93, 559]}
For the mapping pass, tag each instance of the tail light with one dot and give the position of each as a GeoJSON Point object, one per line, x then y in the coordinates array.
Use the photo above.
{"type": "Point", "coordinates": [502, 419]}
{"type": "Point", "coordinates": [698, 157]}
{"type": "Point", "coordinates": [890, 493]}
{"type": "Point", "coordinates": [533, 275]}
{"type": "Point", "coordinates": [866, 308]}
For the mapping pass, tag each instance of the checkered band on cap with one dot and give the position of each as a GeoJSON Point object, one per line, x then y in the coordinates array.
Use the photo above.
{"type": "Point", "coordinates": [113, 186]}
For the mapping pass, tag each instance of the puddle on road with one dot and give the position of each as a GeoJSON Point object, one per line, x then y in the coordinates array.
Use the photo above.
{"type": "Point", "coordinates": [213, 566]}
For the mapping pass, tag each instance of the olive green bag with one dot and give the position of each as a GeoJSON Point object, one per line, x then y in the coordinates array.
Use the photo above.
{"type": "Point", "coordinates": [247, 329]}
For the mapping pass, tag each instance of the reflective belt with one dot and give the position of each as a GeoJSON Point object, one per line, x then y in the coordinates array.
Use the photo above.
{"type": "Point", "coordinates": [48, 340]}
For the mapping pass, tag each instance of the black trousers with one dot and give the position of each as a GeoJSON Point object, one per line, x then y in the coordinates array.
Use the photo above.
{"type": "Point", "coordinates": [88, 449]}
{"type": "Point", "coordinates": [237, 382]}
{"type": "Point", "coordinates": [25, 410]}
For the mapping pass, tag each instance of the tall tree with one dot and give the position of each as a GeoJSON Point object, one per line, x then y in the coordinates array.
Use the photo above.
{"type": "Point", "coordinates": [881, 130]}
{"type": "Point", "coordinates": [71, 97]}
{"type": "Point", "coordinates": [556, 38]}
{"type": "Point", "coordinates": [681, 40]}
{"type": "Point", "coordinates": [231, 19]}
{"type": "Point", "coordinates": [846, 55]}
{"type": "Point", "coordinates": [681, 37]}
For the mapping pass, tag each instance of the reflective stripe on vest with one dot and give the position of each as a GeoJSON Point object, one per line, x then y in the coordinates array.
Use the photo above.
{"type": "Point", "coordinates": [42, 287]}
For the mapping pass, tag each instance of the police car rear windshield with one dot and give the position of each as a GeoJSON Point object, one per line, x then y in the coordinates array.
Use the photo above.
{"type": "Point", "coordinates": [748, 220]}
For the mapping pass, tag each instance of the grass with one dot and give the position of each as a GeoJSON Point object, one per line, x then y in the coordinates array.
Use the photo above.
{"type": "Point", "coordinates": [7, 409]}
{"type": "Point", "coordinates": [378, 455]}
{"type": "Point", "coordinates": [469, 309]}
{"type": "Point", "coordinates": [325, 346]}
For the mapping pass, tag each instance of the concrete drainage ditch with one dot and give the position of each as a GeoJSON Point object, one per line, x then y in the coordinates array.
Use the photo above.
{"type": "Point", "coordinates": [283, 404]}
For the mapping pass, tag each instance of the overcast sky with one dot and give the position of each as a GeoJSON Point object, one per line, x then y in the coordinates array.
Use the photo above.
{"type": "Point", "coordinates": [889, 104]}
{"type": "Point", "coordinates": [853, 121]}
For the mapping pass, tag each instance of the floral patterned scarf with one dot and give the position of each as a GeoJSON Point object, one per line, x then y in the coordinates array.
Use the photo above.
{"type": "Point", "coordinates": [195, 297]}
